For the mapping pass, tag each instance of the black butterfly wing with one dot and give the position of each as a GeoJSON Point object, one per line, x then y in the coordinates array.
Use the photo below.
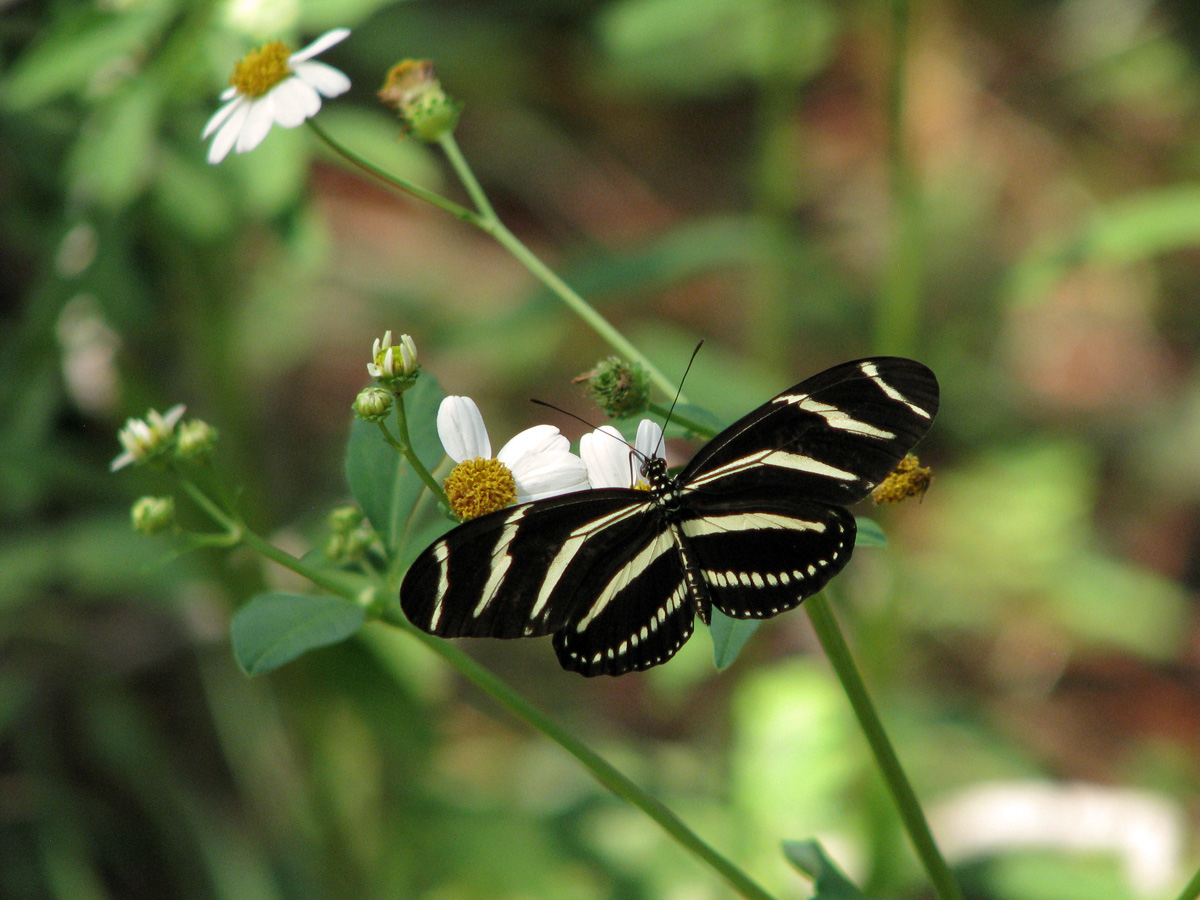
{"type": "Point", "coordinates": [830, 439]}
{"type": "Point", "coordinates": [638, 609]}
{"type": "Point", "coordinates": [763, 552]}
{"type": "Point", "coordinates": [518, 572]}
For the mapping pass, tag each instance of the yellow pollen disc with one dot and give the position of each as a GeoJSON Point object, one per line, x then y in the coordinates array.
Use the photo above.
{"type": "Point", "coordinates": [262, 69]}
{"type": "Point", "coordinates": [479, 486]}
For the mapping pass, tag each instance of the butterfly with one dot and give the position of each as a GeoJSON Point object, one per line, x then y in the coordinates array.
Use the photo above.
{"type": "Point", "coordinates": [754, 524]}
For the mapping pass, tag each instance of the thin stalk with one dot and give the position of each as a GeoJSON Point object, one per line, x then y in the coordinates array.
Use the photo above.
{"type": "Point", "coordinates": [239, 533]}
{"type": "Point", "coordinates": [696, 428]}
{"type": "Point", "coordinates": [600, 769]}
{"type": "Point", "coordinates": [1192, 891]}
{"type": "Point", "coordinates": [404, 445]}
{"type": "Point", "coordinates": [905, 798]}
{"type": "Point", "coordinates": [899, 307]}
{"type": "Point", "coordinates": [487, 221]}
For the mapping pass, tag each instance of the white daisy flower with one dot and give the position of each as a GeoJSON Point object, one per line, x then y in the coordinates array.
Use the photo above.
{"type": "Point", "coordinates": [273, 86]}
{"type": "Point", "coordinates": [535, 464]}
{"type": "Point", "coordinates": [146, 438]}
{"type": "Point", "coordinates": [611, 462]}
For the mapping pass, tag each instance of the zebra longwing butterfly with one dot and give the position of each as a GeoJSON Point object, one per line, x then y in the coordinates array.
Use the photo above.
{"type": "Point", "coordinates": [753, 525]}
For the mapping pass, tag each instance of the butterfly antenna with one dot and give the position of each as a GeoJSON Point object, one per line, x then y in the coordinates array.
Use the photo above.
{"type": "Point", "coordinates": [571, 415]}
{"type": "Point", "coordinates": [678, 391]}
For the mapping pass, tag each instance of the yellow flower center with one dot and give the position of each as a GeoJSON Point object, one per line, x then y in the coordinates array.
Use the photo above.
{"type": "Point", "coordinates": [262, 69]}
{"type": "Point", "coordinates": [479, 486]}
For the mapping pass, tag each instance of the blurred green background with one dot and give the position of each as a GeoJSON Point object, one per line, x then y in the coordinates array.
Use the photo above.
{"type": "Point", "coordinates": [1024, 216]}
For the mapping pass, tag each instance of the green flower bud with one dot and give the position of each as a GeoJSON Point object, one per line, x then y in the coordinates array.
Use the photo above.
{"type": "Point", "coordinates": [394, 367]}
{"type": "Point", "coordinates": [195, 439]}
{"type": "Point", "coordinates": [619, 388]}
{"type": "Point", "coordinates": [413, 91]}
{"type": "Point", "coordinates": [372, 404]}
{"type": "Point", "coordinates": [345, 519]}
{"type": "Point", "coordinates": [153, 515]}
{"type": "Point", "coordinates": [147, 439]}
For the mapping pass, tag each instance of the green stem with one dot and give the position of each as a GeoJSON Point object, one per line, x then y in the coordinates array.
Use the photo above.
{"type": "Point", "coordinates": [601, 770]}
{"type": "Point", "coordinates": [401, 184]}
{"type": "Point", "coordinates": [459, 163]}
{"type": "Point", "coordinates": [696, 428]}
{"type": "Point", "coordinates": [239, 533]}
{"type": "Point", "coordinates": [905, 798]}
{"type": "Point", "coordinates": [899, 308]}
{"type": "Point", "coordinates": [404, 445]}
{"type": "Point", "coordinates": [487, 221]}
{"type": "Point", "coordinates": [1192, 891]}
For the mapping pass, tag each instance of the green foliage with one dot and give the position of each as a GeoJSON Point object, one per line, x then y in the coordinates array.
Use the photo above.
{"type": "Point", "coordinates": [829, 883]}
{"type": "Point", "coordinates": [273, 629]}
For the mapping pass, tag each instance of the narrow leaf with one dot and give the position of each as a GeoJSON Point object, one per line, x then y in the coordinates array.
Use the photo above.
{"type": "Point", "coordinates": [729, 635]}
{"type": "Point", "coordinates": [273, 629]}
{"type": "Point", "coordinates": [869, 533]}
{"type": "Point", "coordinates": [829, 883]}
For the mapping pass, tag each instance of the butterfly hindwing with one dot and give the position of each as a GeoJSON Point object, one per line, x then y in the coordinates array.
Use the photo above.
{"type": "Point", "coordinates": [638, 611]}
{"type": "Point", "coordinates": [763, 553]}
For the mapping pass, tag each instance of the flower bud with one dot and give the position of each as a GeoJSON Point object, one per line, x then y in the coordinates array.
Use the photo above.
{"type": "Point", "coordinates": [345, 519]}
{"type": "Point", "coordinates": [195, 439]}
{"type": "Point", "coordinates": [413, 91]}
{"type": "Point", "coordinates": [372, 404]}
{"type": "Point", "coordinates": [394, 367]}
{"type": "Point", "coordinates": [619, 388]}
{"type": "Point", "coordinates": [152, 515]}
{"type": "Point", "coordinates": [147, 439]}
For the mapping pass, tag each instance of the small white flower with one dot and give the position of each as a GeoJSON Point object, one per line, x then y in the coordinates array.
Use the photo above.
{"type": "Point", "coordinates": [144, 438]}
{"type": "Point", "coordinates": [399, 361]}
{"type": "Point", "coordinates": [539, 458]}
{"type": "Point", "coordinates": [611, 462]}
{"type": "Point", "coordinates": [272, 86]}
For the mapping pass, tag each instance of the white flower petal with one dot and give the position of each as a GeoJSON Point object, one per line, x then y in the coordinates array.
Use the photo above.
{"type": "Point", "coordinates": [174, 414]}
{"type": "Point", "coordinates": [227, 135]}
{"type": "Point", "coordinates": [257, 125]}
{"type": "Point", "coordinates": [648, 441]}
{"type": "Point", "coordinates": [320, 45]}
{"type": "Point", "coordinates": [530, 443]}
{"type": "Point", "coordinates": [125, 459]}
{"type": "Point", "coordinates": [549, 474]}
{"type": "Point", "coordinates": [608, 459]}
{"type": "Point", "coordinates": [229, 93]}
{"type": "Point", "coordinates": [220, 116]}
{"type": "Point", "coordinates": [329, 81]}
{"type": "Point", "coordinates": [292, 101]}
{"type": "Point", "coordinates": [460, 426]}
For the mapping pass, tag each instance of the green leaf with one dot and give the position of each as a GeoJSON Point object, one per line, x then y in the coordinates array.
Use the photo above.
{"type": "Point", "coordinates": [729, 635]}
{"type": "Point", "coordinates": [829, 883]}
{"type": "Point", "coordinates": [394, 498]}
{"type": "Point", "coordinates": [273, 629]}
{"type": "Point", "coordinates": [869, 533]}
{"type": "Point", "coordinates": [113, 158]}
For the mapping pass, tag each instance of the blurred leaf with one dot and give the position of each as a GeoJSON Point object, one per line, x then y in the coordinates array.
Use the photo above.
{"type": "Point", "coordinates": [82, 44]}
{"type": "Point", "coordinates": [394, 498]}
{"type": "Point", "coordinates": [729, 635]}
{"type": "Point", "coordinates": [192, 196]}
{"type": "Point", "coordinates": [694, 46]}
{"type": "Point", "coordinates": [870, 534]}
{"type": "Point", "coordinates": [273, 629]}
{"type": "Point", "coordinates": [1135, 228]}
{"type": "Point", "coordinates": [113, 158]}
{"type": "Point", "coordinates": [829, 882]}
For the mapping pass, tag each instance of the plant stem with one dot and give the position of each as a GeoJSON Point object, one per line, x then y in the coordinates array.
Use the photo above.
{"type": "Point", "coordinates": [899, 307]}
{"type": "Point", "coordinates": [1192, 891]}
{"type": "Point", "coordinates": [905, 798]}
{"type": "Point", "coordinates": [404, 445]}
{"type": "Point", "coordinates": [601, 770]}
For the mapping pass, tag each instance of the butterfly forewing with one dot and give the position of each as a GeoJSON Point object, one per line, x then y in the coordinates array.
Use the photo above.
{"type": "Point", "coordinates": [499, 576]}
{"type": "Point", "coordinates": [830, 439]}
{"type": "Point", "coordinates": [755, 523]}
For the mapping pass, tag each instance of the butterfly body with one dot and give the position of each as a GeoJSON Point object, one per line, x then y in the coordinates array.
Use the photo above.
{"type": "Point", "coordinates": [755, 523]}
